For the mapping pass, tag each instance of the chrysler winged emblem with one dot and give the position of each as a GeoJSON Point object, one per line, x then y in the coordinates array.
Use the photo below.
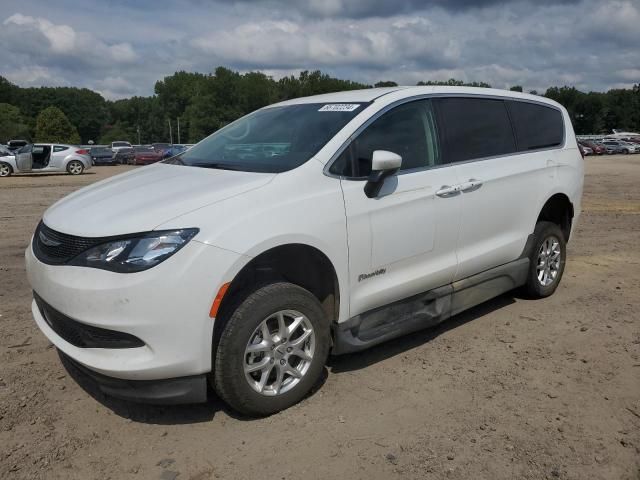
{"type": "Point", "coordinates": [48, 241]}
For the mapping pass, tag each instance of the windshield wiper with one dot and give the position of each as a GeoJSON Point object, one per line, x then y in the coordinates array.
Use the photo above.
{"type": "Point", "coordinates": [221, 166]}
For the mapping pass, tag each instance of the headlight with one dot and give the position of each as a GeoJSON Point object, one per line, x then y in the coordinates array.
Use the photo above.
{"type": "Point", "coordinates": [135, 253]}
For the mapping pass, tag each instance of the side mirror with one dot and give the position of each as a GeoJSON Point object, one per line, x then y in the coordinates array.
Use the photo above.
{"type": "Point", "coordinates": [383, 164]}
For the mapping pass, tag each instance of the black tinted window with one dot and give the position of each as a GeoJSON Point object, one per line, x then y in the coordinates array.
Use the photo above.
{"type": "Point", "coordinates": [475, 128]}
{"type": "Point", "coordinates": [408, 130]}
{"type": "Point", "coordinates": [536, 126]}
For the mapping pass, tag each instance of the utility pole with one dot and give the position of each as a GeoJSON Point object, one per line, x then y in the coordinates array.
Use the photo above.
{"type": "Point", "coordinates": [170, 134]}
{"type": "Point", "coordinates": [138, 129]}
{"type": "Point", "coordinates": [179, 142]}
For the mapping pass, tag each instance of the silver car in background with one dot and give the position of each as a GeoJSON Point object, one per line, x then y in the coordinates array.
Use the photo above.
{"type": "Point", "coordinates": [46, 157]}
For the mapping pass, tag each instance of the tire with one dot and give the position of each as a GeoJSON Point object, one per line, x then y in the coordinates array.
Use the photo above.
{"type": "Point", "coordinates": [544, 273]}
{"type": "Point", "coordinates": [75, 167]}
{"type": "Point", "coordinates": [625, 151]}
{"type": "Point", "coordinates": [5, 169]}
{"type": "Point", "coordinates": [257, 393]}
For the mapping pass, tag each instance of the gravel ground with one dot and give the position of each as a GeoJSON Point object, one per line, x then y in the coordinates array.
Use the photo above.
{"type": "Point", "coordinates": [511, 389]}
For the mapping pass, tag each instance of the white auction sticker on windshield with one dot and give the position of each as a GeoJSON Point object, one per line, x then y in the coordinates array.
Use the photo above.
{"type": "Point", "coordinates": [339, 107]}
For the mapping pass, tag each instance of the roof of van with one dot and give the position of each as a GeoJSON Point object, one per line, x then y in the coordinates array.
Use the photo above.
{"type": "Point", "coordinates": [373, 94]}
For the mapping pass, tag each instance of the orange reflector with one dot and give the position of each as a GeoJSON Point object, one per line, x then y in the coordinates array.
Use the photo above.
{"type": "Point", "coordinates": [218, 300]}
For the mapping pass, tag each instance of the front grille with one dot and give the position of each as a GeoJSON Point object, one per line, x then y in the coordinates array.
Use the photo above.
{"type": "Point", "coordinates": [82, 335]}
{"type": "Point", "coordinates": [56, 248]}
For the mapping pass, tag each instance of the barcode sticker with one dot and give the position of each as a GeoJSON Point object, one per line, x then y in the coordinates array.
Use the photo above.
{"type": "Point", "coordinates": [339, 107]}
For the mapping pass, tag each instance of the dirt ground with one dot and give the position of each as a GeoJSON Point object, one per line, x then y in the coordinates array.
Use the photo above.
{"type": "Point", "coordinates": [511, 389]}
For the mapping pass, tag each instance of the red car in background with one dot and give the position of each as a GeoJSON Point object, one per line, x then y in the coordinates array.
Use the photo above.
{"type": "Point", "coordinates": [145, 156]}
{"type": "Point", "coordinates": [597, 148]}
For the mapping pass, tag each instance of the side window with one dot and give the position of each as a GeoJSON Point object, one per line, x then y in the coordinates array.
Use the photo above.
{"type": "Point", "coordinates": [59, 148]}
{"type": "Point", "coordinates": [536, 126]}
{"type": "Point", "coordinates": [408, 130]}
{"type": "Point", "coordinates": [475, 128]}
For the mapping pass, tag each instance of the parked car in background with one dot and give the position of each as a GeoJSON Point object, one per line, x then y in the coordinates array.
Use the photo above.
{"type": "Point", "coordinates": [618, 146]}
{"type": "Point", "coordinates": [145, 155]}
{"type": "Point", "coordinates": [6, 160]}
{"type": "Point", "coordinates": [14, 145]}
{"type": "Point", "coordinates": [176, 149]}
{"type": "Point", "coordinates": [124, 155]}
{"type": "Point", "coordinates": [47, 158]}
{"type": "Point", "coordinates": [597, 149]}
{"type": "Point", "coordinates": [584, 150]}
{"type": "Point", "coordinates": [102, 156]}
{"type": "Point", "coordinates": [115, 146]}
{"type": "Point", "coordinates": [164, 148]}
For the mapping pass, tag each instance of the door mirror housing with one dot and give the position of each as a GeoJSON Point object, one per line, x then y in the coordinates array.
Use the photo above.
{"type": "Point", "coordinates": [383, 164]}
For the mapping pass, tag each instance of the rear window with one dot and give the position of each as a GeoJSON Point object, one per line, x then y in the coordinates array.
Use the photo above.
{"type": "Point", "coordinates": [536, 126]}
{"type": "Point", "coordinates": [475, 128]}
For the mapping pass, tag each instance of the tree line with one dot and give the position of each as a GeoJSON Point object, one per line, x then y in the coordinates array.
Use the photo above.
{"type": "Point", "coordinates": [203, 103]}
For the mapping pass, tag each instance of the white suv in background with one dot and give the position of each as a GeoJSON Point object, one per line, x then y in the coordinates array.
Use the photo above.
{"type": "Point", "coordinates": [321, 224]}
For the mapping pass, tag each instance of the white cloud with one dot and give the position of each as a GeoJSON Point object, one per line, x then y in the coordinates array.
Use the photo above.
{"type": "Point", "coordinates": [64, 40]}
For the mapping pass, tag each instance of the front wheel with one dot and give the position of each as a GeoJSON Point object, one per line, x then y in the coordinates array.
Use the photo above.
{"type": "Point", "coordinates": [5, 169]}
{"type": "Point", "coordinates": [75, 167]}
{"type": "Point", "coordinates": [547, 260]}
{"type": "Point", "coordinates": [272, 350]}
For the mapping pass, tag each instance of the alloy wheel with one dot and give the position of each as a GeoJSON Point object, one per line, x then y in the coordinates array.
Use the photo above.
{"type": "Point", "coordinates": [548, 262]}
{"type": "Point", "coordinates": [75, 168]}
{"type": "Point", "coordinates": [5, 170]}
{"type": "Point", "coordinates": [279, 352]}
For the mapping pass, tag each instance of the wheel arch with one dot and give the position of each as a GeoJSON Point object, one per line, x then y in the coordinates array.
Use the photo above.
{"type": "Point", "coordinates": [298, 263]}
{"type": "Point", "coordinates": [558, 209]}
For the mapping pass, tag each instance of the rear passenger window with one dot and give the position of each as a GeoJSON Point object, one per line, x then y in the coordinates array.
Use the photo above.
{"type": "Point", "coordinates": [536, 126]}
{"type": "Point", "coordinates": [408, 130]}
{"type": "Point", "coordinates": [59, 148]}
{"type": "Point", "coordinates": [475, 128]}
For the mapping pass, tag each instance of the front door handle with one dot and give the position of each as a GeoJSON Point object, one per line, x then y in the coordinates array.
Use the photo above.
{"type": "Point", "coordinates": [471, 186]}
{"type": "Point", "coordinates": [447, 191]}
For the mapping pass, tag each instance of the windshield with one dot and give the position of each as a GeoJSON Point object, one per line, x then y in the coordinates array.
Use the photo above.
{"type": "Point", "coordinates": [145, 149]}
{"type": "Point", "coordinates": [120, 144]}
{"type": "Point", "coordinates": [271, 140]}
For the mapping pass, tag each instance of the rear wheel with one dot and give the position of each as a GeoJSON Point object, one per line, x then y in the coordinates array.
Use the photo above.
{"type": "Point", "coordinates": [548, 258]}
{"type": "Point", "coordinates": [272, 350]}
{"type": "Point", "coordinates": [5, 169]}
{"type": "Point", "coordinates": [75, 167]}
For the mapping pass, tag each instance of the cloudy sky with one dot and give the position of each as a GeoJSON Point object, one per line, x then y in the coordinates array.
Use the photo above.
{"type": "Point", "coordinates": [121, 47]}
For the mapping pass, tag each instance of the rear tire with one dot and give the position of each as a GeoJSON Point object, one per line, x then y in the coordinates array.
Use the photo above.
{"type": "Point", "coordinates": [265, 361]}
{"type": "Point", "coordinates": [5, 169]}
{"type": "Point", "coordinates": [547, 261]}
{"type": "Point", "coordinates": [75, 167]}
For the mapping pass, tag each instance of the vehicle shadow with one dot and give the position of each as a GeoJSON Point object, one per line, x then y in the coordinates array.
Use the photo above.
{"type": "Point", "coordinates": [161, 414]}
{"type": "Point", "coordinates": [205, 412]}
{"type": "Point", "coordinates": [358, 360]}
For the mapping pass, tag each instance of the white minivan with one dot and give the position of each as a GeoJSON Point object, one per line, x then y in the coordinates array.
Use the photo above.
{"type": "Point", "coordinates": [318, 225]}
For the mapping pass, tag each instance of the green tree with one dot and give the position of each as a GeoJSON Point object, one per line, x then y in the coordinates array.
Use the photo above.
{"type": "Point", "coordinates": [52, 125]}
{"type": "Point", "coordinates": [516, 88]}
{"type": "Point", "coordinates": [12, 124]}
{"type": "Point", "coordinates": [386, 84]}
{"type": "Point", "coordinates": [452, 82]}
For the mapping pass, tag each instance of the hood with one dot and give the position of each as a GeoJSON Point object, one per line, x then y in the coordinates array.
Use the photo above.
{"type": "Point", "coordinates": [142, 199]}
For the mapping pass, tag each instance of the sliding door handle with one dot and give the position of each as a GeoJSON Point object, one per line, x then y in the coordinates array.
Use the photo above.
{"type": "Point", "coordinates": [447, 191]}
{"type": "Point", "coordinates": [471, 186]}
